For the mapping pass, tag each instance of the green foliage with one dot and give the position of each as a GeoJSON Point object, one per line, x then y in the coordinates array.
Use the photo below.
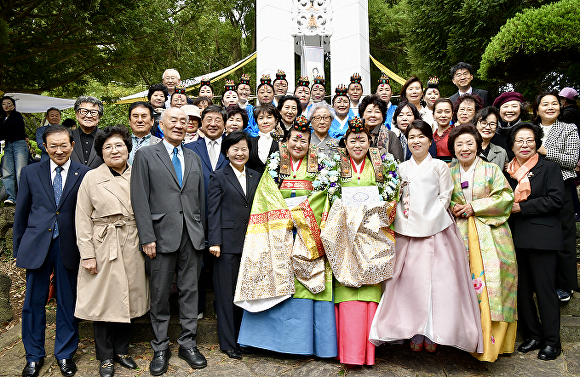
{"type": "Point", "coordinates": [546, 41]}
{"type": "Point", "coordinates": [47, 45]}
{"type": "Point", "coordinates": [386, 24]}
{"type": "Point", "coordinates": [113, 114]}
{"type": "Point", "coordinates": [439, 34]}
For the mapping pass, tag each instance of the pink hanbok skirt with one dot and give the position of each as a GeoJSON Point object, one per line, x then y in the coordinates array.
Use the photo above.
{"type": "Point", "coordinates": [353, 322]}
{"type": "Point", "coordinates": [431, 293]}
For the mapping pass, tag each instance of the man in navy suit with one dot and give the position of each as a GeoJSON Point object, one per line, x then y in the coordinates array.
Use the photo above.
{"type": "Point", "coordinates": [45, 241]}
{"type": "Point", "coordinates": [462, 77]}
{"type": "Point", "coordinates": [213, 123]}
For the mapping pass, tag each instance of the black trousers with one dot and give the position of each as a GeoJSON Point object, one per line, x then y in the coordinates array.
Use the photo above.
{"type": "Point", "coordinates": [537, 273]}
{"type": "Point", "coordinates": [112, 338]}
{"type": "Point", "coordinates": [225, 277]}
{"type": "Point", "coordinates": [567, 272]}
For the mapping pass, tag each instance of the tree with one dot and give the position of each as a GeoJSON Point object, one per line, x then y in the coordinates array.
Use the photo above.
{"type": "Point", "coordinates": [46, 45]}
{"type": "Point", "coordinates": [386, 23]}
{"type": "Point", "coordinates": [439, 34]}
{"type": "Point", "coordinates": [546, 41]}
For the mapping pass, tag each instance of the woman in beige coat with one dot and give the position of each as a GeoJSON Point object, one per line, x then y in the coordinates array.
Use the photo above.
{"type": "Point", "coordinates": [112, 285]}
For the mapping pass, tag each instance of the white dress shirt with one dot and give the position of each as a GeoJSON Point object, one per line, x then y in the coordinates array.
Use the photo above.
{"type": "Point", "coordinates": [63, 173]}
{"type": "Point", "coordinates": [241, 175]}
{"type": "Point", "coordinates": [264, 144]}
{"type": "Point", "coordinates": [217, 149]}
{"type": "Point", "coordinates": [180, 156]}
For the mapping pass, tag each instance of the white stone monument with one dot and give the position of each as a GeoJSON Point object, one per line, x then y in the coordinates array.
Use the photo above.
{"type": "Point", "coordinates": [340, 27]}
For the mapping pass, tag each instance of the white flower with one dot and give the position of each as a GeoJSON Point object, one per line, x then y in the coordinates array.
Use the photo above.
{"type": "Point", "coordinates": [333, 178]}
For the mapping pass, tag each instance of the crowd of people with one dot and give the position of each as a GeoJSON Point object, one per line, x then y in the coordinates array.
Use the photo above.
{"type": "Point", "coordinates": [327, 225]}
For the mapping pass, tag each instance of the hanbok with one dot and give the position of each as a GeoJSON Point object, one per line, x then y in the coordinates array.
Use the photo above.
{"type": "Point", "coordinates": [285, 282]}
{"type": "Point", "coordinates": [431, 291]}
{"type": "Point", "coordinates": [491, 252]}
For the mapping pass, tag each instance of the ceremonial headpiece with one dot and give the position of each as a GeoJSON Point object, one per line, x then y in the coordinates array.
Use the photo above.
{"type": "Point", "coordinates": [245, 79]}
{"type": "Point", "coordinates": [280, 75]}
{"type": "Point", "coordinates": [179, 89]}
{"type": "Point", "coordinates": [355, 78]}
{"type": "Point", "coordinates": [303, 81]}
{"type": "Point", "coordinates": [230, 85]}
{"type": "Point", "coordinates": [265, 80]}
{"type": "Point", "coordinates": [433, 82]}
{"type": "Point", "coordinates": [356, 125]}
{"type": "Point", "coordinates": [318, 80]}
{"type": "Point", "coordinates": [301, 124]}
{"type": "Point", "coordinates": [384, 79]}
{"type": "Point", "coordinates": [205, 82]}
{"type": "Point", "coordinates": [341, 90]}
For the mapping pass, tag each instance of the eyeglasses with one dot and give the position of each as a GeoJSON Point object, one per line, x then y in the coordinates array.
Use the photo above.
{"type": "Point", "coordinates": [110, 147]}
{"type": "Point", "coordinates": [318, 118]}
{"type": "Point", "coordinates": [85, 112]}
{"type": "Point", "coordinates": [460, 75]}
{"type": "Point", "coordinates": [522, 142]}
{"type": "Point", "coordinates": [170, 78]}
{"type": "Point", "coordinates": [486, 124]}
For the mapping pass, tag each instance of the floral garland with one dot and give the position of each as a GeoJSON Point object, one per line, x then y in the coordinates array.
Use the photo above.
{"type": "Point", "coordinates": [328, 175]}
{"type": "Point", "coordinates": [326, 178]}
{"type": "Point", "coordinates": [273, 164]}
{"type": "Point", "coordinates": [391, 185]}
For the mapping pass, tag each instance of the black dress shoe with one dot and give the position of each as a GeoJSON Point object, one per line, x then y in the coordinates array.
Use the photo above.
{"type": "Point", "coordinates": [32, 368]}
{"type": "Point", "coordinates": [67, 367]}
{"type": "Point", "coordinates": [530, 345]}
{"type": "Point", "coordinates": [125, 361]}
{"type": "Point", "coordinates": [160, 361]}
{"type": "Point", "coordinates": [549, 353]}
{"type": "Point", "coordinates": [193, 357]}
{"type": "Point", "coordinates": [233, 354]}
{"type": "Point", "coordinates": [107, 369]}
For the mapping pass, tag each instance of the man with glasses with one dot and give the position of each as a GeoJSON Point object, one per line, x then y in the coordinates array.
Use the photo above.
{"type": "Point", "coordinates": [461, 76]}
{"type": "Point", "coordinates": [88, 111]}
{"type": "Point", "coordinates": [45, 242]}
{"type": "Point", "coordinates": [213, 124]}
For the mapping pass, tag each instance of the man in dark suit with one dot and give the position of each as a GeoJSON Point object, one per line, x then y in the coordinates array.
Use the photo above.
{"type": "Point", "coordinates": [168, 199]}
{"type": "Point", "coordinates": [213, 122]}
{"type": "Point", "coordinates": [45, 241]}
{"type": "Point", "coordinates": [462, 77]}
{"type": "Point", "coordinates": [230, 196]}
{"type": "Point", "coordinates": [88, 111]}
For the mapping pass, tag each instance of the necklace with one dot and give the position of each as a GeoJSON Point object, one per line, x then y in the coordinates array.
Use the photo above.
{"type": "Point", "coordinates": [294, 171]}
{"type": "Point", "coordinates": [358, 171]}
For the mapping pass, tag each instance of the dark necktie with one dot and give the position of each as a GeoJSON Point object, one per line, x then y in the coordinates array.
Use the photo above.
{"type": "Point", "coordinates": [177, 165]}
{"type": "Point", "coordinates": [57, 187]}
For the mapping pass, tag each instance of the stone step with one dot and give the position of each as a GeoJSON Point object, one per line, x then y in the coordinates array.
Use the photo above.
{"type": "Point", "coordinates": [207, 327]}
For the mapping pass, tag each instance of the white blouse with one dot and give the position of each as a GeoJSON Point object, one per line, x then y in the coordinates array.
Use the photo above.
{"type": "Point", "coordinates": [429, 187]}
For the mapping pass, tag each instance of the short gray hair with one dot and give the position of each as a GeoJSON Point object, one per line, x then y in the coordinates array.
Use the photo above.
{"type": "Point", "coordinates": [318, 106]}
{"type": "Point", "coordinates": [170, 69]}
{"type": "Point", "coordinates": [89, 99]}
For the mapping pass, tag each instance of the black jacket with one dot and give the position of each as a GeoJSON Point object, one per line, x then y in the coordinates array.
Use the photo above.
{"type": "Point", "coordinates": [538, 225]}
{"type": "Point", "coordinates": [229, 209]}
{"type": "Point", "coordinates": [254, 161]}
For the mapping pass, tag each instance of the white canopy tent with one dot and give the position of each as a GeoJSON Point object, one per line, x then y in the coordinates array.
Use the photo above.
{"type": "Point", "coordinates": [36, 103]}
